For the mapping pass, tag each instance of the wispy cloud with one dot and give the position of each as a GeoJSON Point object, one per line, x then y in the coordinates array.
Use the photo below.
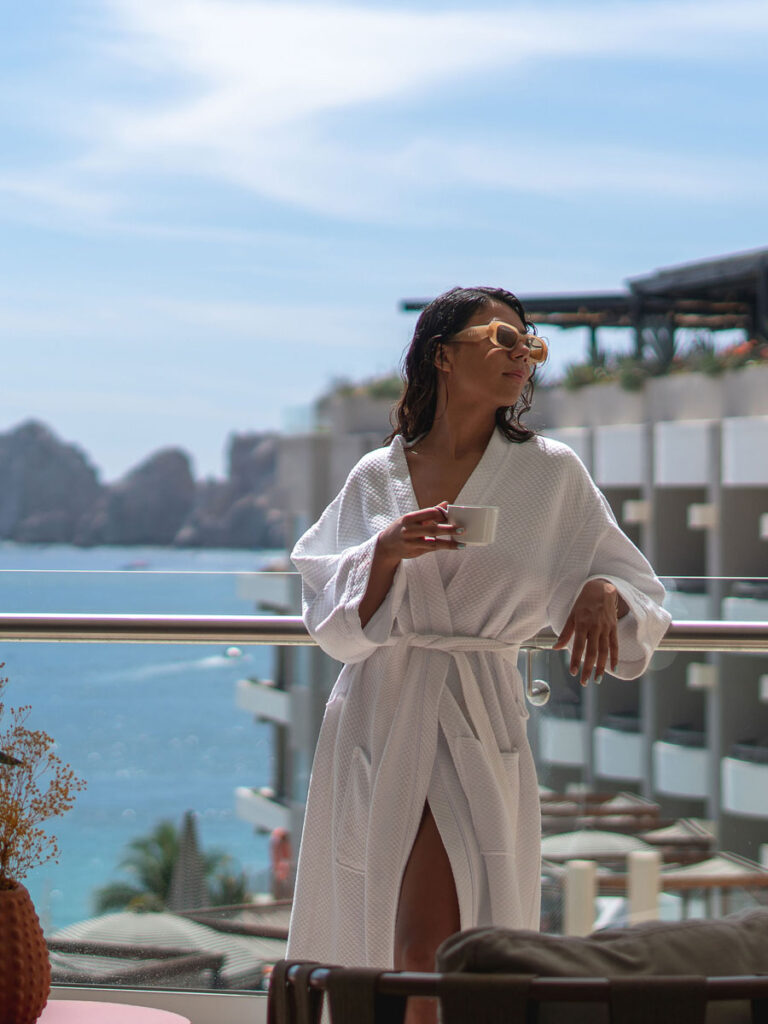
{"type": "Point", "coordinates": [142, 370]}
{"type": "Point", "coordinates": [246, 186]}
{"type": "Point", "coordinates": [249, 93]}
{"type": "Point", "coordinates": [129, 325]}
{"type": "Point", "coordinates": [599, 168]}
{"type": "Point", "coordinates": [46, 191]}
{"type": "Point", "coordinates": [258, 65]}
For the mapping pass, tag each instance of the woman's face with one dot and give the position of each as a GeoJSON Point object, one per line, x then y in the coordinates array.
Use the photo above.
{"type": "Point", "coordinates": [480, 371]}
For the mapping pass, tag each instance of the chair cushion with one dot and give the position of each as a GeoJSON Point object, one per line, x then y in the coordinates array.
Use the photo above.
{"type": "Point", "coordinates": [733, 945]}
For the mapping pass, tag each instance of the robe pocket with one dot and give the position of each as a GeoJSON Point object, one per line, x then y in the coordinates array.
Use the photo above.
{"type": "Point", "coordinates": [494, 813]}
{"type": "Point", "coordinates": [352, 833]}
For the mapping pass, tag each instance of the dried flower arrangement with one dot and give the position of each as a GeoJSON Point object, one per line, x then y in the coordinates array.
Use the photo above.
{"type": "Point", "coordinates": [35, 785]}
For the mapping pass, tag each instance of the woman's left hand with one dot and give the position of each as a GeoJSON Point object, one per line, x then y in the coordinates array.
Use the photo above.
{"type": "Point", "coordinates": [593, 626]}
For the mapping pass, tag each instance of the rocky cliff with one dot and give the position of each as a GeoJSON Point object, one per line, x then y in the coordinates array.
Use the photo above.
{"type": "Point", "coordinates": [50, 493]}
{"type": "Point", "coordinates": [242, 510]}
{"type": "Point", "coordinates": [148, 506]}
{"type": "Point", "coordinates": [46, 486]}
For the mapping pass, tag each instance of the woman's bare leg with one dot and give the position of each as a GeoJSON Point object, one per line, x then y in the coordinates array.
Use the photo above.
{"type": "Point", "coordinates": [427, 913]}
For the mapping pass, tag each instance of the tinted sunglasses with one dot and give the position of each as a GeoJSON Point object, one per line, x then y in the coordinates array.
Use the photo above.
{"type": "Point", "coordinates": [506, 336]}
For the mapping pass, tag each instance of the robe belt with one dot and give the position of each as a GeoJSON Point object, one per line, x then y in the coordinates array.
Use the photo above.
{"type": "Point", "coordinates": [458, 647]}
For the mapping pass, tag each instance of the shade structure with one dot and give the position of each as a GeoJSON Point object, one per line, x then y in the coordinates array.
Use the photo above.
{"type": "Point", "coordinates": [244, 956]}
{"type": "Point", "coordinates": [587, 844]}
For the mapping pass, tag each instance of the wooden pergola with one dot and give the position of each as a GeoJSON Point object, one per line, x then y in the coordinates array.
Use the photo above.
{"type": "Point", "coordinates": [717, 294]}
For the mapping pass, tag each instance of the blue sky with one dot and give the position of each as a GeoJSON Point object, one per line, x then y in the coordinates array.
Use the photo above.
{"type": "Point", "coordinates": [209, 210]}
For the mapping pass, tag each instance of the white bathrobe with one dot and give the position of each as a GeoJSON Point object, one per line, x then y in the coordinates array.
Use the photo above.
{"type": "Point", "coordinates": [429, 705]}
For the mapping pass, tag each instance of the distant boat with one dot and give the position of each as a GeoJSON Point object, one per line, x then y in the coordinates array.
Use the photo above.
{"type": "Point", "coordinates": [139, 564]}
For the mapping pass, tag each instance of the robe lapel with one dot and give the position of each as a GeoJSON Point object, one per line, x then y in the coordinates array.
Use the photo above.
{"type": "Point", "coordinates": [403, 774]}
{"type": "Point", "coordinates": [401, 487]}
{"type": "Point", "coordinates": [475, 487]}
{"type": "Point", "coordinates": [427, 598]}
{"type": "Point", "coordinates": [485, 472]}
{"type": "Point", "coordinates": [476, 491]}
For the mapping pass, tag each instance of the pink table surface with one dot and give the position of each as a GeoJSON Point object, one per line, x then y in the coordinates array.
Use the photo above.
{"type": "Point", "coordinates": [75, 1011]}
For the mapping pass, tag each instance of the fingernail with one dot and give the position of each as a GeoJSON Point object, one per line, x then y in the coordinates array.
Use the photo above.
{"type": "Point", "coordinates": [460, 545]}
{"type": "Point", "coordinates": [459, 529]}
{"type": "Point", "coordinates": [598, 679]}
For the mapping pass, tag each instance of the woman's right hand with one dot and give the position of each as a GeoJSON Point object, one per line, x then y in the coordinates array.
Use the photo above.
{"type": "Point", "coordinates": [410, 536]}
{"type": "Point", "coordinates": [417, 533]}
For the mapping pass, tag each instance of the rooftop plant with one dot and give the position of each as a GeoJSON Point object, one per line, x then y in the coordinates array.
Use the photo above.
{"type": "Point", "coordinates": [631, 373]}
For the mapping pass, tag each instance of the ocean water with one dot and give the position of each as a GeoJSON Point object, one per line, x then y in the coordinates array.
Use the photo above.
{"type": "Point", "coordinates": [153, 728]}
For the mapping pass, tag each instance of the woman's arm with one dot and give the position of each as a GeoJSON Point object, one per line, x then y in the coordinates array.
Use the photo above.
{"type": "Point", "coordinates": [593, 624]}
{"type": "Point", "coordinates": [412, 535]}
{"type": "Point", "coordinates": [383, 569]}
{"type": "Point", "coordinates": [345, 582]}
{"type": "Point", "coordinates": [607, 600]}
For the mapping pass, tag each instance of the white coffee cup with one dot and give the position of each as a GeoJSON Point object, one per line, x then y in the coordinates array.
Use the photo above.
{"type": "Point", "coordinates": [477, 521]}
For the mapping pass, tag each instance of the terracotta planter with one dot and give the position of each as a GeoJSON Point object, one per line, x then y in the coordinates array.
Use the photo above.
{"type": "Point", "coordinates": [25, 972]}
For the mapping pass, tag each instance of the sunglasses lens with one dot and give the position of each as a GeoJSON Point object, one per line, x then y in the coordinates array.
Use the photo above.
{"type": "Point", "coordinates": [507, 337]}
{"type": "Point", "coordinates": [538, 349]}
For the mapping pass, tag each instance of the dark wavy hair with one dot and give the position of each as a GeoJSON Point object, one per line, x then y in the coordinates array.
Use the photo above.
{"type": "Point", "coordinates": [445, 316]}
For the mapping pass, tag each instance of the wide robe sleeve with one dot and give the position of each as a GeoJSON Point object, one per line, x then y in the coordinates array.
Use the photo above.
{"type": "Point", "coordinates": [600, 550]}
{"type": "Point", "coordinates": [334, 559]}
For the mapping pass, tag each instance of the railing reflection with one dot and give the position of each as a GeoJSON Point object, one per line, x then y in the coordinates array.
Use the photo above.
{"type": "Point", "coordinates": [702, 635]}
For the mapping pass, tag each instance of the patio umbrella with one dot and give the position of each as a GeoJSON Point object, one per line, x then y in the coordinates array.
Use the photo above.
{"type": "Point", "coordinates": [188, 889]}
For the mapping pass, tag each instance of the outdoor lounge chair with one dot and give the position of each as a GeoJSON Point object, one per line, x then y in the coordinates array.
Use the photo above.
{"type": "Point", "coordinates": [689, 972]}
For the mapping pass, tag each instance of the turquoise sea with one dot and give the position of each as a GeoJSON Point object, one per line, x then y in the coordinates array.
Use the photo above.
{"type": "Point", "coordinates": [153, 728]}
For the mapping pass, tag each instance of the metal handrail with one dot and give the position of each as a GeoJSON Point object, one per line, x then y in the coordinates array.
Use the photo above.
{"type": "Point", "coordinates": [280, 630]}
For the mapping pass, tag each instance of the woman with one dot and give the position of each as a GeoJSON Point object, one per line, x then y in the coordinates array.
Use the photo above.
{"type": "Point", "coordinates": [423, 809]}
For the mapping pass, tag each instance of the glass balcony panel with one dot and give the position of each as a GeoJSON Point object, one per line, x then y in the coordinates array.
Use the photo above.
{"type": "Point", "coordinates": [157, 730]}
{"type": "Point", "coordinates": [228, 732]}
{"type": "Point", "coordinates": [690, 738]}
